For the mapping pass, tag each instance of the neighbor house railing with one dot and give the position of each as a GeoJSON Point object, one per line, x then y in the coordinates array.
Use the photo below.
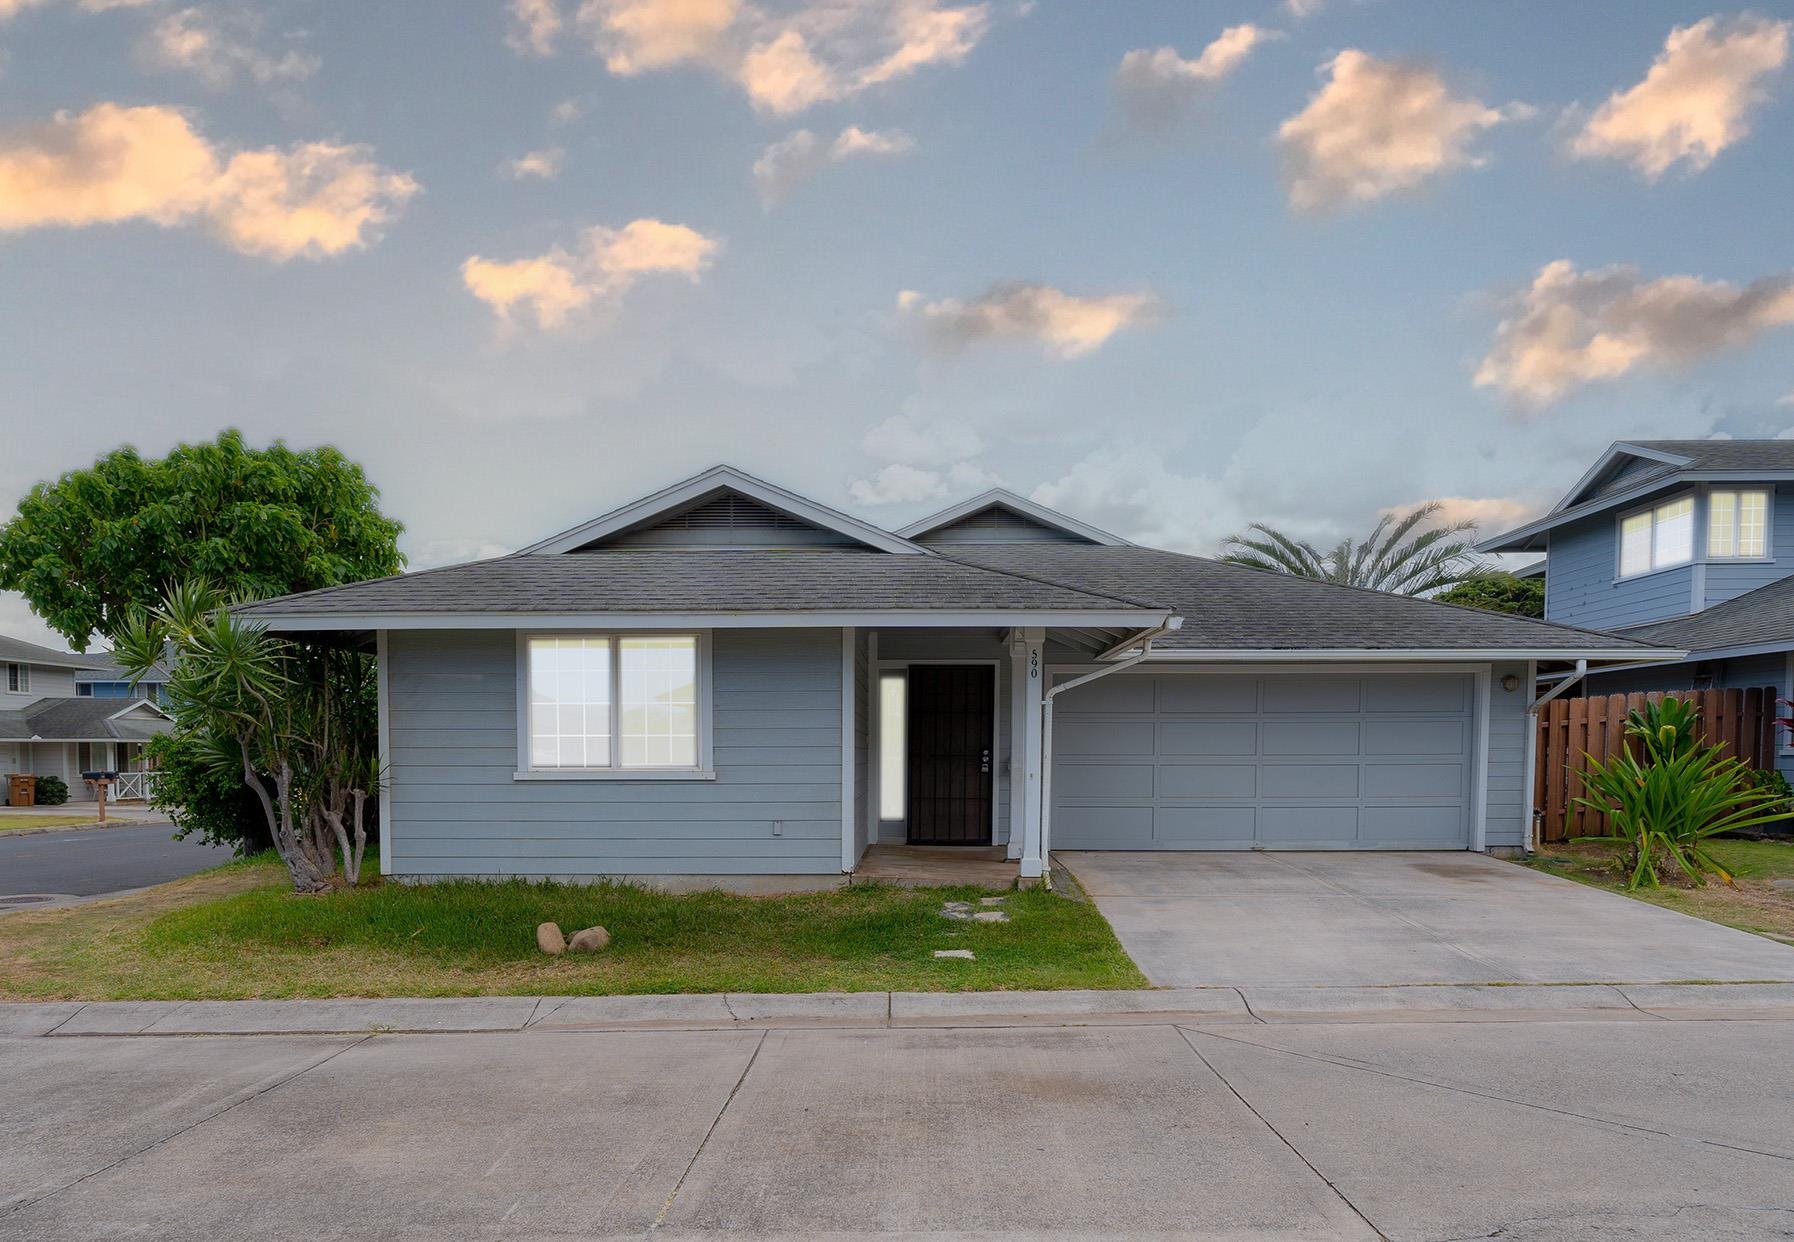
{"type": "Point", "coordinates": [134, 787]}
{"type": "Point", "coordinates": [1572, 731]}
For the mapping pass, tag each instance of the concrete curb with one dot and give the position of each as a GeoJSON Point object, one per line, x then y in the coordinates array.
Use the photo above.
{"type": "Point", "coordinates": [909, 1010]}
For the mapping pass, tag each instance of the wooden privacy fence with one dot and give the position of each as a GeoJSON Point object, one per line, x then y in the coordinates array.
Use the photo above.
{"type": "Point", "coordinates": [1571, 730]}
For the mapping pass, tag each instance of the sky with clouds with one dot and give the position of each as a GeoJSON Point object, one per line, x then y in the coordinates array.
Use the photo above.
{"type": "Point", "coordinates": [1172, 265]}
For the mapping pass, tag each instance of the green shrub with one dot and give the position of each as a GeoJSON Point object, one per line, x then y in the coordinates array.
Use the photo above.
{"type": "Point", "coordinates": [52, 791]}
{"type": "Point", "coordinates": [1666, 801]}
{"type": "Point", "coordinates": [203, 796]}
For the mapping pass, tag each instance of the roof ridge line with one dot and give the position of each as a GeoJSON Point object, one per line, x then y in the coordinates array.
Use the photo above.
{"type": "Point", "coordinates": [1053, 582]}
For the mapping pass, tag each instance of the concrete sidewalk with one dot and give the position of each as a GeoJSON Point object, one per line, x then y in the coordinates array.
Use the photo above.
{"type": "Point", "coordinates": [1560, 1128]}
{"type": "Point", "coordinates": [897, 1010]}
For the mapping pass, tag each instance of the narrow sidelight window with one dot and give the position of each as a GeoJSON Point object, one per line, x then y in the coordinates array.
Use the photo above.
{"type": "Point", "coordinates": [893, 740]}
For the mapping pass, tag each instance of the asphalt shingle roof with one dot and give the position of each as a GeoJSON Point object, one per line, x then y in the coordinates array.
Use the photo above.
{"type": "Point", "coordinates": [79, 720]}
{"type": "Point", "coordinates": [1231, 607]}
{"type": "Point", "coordinates": [1758, 618]}
{"type": "Point", "coordinates": [1727, 454]}
{"type": "Point", "coordinates": [697, 581]}
{"type": "Point", "coordinates": [18, 651]}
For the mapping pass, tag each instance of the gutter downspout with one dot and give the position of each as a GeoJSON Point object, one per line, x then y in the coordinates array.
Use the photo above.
{"type": "Point", "coordinates": [1532, 748]}
{"type": "Point", "coordinates": [1046, 737]}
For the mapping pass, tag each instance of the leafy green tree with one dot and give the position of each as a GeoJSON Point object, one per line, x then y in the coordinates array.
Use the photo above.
{"type": "Point", "coordinates": [1397, 556]}
{"type": "Point", "coordinates": [1498, 591]}
{"type": "Point", "coordinates": [85, 549]}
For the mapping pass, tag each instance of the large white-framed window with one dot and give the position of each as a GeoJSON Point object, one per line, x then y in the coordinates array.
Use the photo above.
{"type": "Point", "coordinates": [1659, 537]}
{"type": "Point", "coordinates": [1738, 525]}
{"type": "Point", "coordinates": [632, 705]}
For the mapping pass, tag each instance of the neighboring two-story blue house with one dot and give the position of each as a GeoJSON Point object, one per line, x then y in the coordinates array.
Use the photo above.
{"type": "Point", "coordinates": [1683, 543]}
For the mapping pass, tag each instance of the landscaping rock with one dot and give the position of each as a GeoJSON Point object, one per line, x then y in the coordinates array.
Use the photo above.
{"type": "Point", "coordinates": [962, 954]}
{"type": "Point", "coordinates": [1786, 882]}
{"type": "Point", "coordinates": [550, 940]}
{"type": "Point", "coordinates": [990, 901]}
{"type": "Point", "coordinates": [589, 940]}
{"type": "Point", "coordinates": [990, 916]}
{"type": "Point", "coordinates": [961, 910]}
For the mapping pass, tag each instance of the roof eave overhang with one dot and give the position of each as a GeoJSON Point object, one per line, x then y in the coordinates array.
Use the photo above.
{"type": "Point", "coordinates": [1297, 655]}
{"type": "Point", "coordinates": [1520, 539]}
{"type": "Point", "coordinates": [898, 617]}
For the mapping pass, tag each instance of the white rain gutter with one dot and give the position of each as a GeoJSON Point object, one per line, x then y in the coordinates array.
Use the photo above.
{"type": "Point", "coordinates": [1532, 748]}
{"type": "Point", "coordinates": [1144, 639]}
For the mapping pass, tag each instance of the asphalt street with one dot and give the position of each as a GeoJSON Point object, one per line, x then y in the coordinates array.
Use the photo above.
{"type": "Point", "coordinates": [84, 862]}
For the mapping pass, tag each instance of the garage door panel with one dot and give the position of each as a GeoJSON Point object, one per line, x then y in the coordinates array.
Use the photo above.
{"type": "Point", "coordinates": [1307, 825]}
{"type": "Point", "coordinates": [1416, 825]}
{"type": "Point", "coordinates": [1103, 737]}
{"type": "Point", "coordinates": [1208, 780]}
{"type": "Point", "coordinates": [1417, 692]}
{"type": "Point", "coordinates": [1205, 827]}
{"type": "Point", "coordinates": [1310, 780]}
{"type": "Point", "coordinates": [1113, 694]}
{"type": "Point", "coordinates": [1416, 737]}
{"type": "Point", "coordinates": [1414, 780]}
{"type": "Point", "coordinates": [1311, 737]}
{"type": "Point", "coordinates": [1094, 827]}
{"type": "Point", "coordinates": [1203, 737]}
{"type": "Point", "coordinates": [1179, 761]}
{"type": "Point", "coordinates": [1105, 780]}
{"type": "Point", "coordinates": [1238, 695]}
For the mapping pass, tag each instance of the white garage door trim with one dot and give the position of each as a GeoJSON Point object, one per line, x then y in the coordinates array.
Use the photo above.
{"type": "Point", "coordinates": [1478, 714]}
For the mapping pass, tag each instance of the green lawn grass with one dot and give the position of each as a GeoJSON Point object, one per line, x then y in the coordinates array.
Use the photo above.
{"type": "Point", "coordinates": [239, 931]}
{"type": "Point", "coordinates": [1752, 905]}
{"type": "Point", "coordinates": [23, 823]}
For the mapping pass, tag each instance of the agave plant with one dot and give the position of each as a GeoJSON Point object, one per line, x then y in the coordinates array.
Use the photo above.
{"type": "Point", "coordinates": [1674, 795]}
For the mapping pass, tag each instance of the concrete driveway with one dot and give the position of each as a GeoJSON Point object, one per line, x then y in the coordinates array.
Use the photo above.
{"type": "Point", "coordinates": [1300, 919]}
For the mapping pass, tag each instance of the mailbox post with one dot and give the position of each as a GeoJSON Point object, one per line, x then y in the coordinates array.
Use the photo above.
{"type": "Point", "coordinates": [101, 782]}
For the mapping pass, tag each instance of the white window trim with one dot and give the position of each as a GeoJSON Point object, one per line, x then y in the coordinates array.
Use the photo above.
{"type": "Point", "coordinates": [1697, 538]}
{"type": "Point", "coordinates": [22, 672]}
{"type": "Point", "coordinates": [1787, 744]}
{"type": "Point", "coordinates": [705, 769]}
{"type": "Point", "coordinates": [875, 737]}
{"type": "Point", "coordinates": [1704, 516]}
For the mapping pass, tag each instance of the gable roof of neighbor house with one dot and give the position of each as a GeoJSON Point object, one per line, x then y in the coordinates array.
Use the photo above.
{"type": "Point", "coordinates": [109, 669]}
{"type": "Point", "coordinates": [84, 720]}
{"type": "Point", "coordinates": [1089, 581]}
{"type": "Point", "coordinates": [1230, 608]}
{"type": "Point", "coordinates": [979, 511]}
{"type": "Point", "coordinates": [18, 651]}
{"type": "Point", "coordinates": [1757, 621]}
{"type": "Point", "coordinates": [1633, 469]}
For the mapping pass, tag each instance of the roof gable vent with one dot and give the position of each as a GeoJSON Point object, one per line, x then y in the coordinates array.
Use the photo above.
{"type": "Point", "coordinates": [726, 519]}
{"type": "Point", "coordinates": [998, 524]}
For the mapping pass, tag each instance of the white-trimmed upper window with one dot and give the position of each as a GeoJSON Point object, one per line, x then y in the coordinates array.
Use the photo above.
{"type": "Point", "coordinates": [18, 678]}
{"type": "Point", "coordinates": [607, 702]}
{"type": "Point", "coordinates": [1738, 525]}
{"type": "Point", "coordinates": [1657, 538]}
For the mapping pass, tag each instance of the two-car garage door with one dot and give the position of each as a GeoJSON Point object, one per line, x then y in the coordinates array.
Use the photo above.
{"type": "Point", "coordinates": [1222, 761]}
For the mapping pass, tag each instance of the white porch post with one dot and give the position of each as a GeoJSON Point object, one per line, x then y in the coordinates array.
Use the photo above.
{"type": "Point", "coordinates": [1028, 682]}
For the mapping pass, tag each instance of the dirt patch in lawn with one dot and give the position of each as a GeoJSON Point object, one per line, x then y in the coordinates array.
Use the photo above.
{"type": "Point", "coordinates": [1754, 903]}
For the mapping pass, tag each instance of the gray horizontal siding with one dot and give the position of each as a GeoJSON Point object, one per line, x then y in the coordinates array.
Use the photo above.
{"type": "Point", "coordinates": [1580, 585]}
{"type": "Point", "coordinates": [1504, 826]}
{"type": "Point", "coordinates": [774, 807]}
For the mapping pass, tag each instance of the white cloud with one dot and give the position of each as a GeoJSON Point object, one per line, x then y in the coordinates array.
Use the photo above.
{"type": "Point", "coordinates": [566, 112]}
{"type": "Point", "coordinates": [1066, 324]}
{"type": "Point", "coordinates": [787, 164]}
{"type": "Point", "coordinates": [1158, 84]}
{"type": "Point", "coordinates": [1488, 513]}
{"type": "Point", "coordinates": [12, 8]}
{"type": "Point", "coordinates": [1786, 402]}
{"type": "Point", "coordinates": [553, 287]}
{"type": "Point", "coordinates": [1378, 127]}
{"type": "Point", "coordinates": [536, 26]}
{"type": "Point", "coordinates": [433, 553]}
{"type": "Point", "coordinates": [1571, 328]}
{"type": "Point", "coordinates": [1128, 489]}
{"type": "Point", "coordinates": [215, 48]}
{"type": "Point", "coordinates": [1299, 9]}
{"type": "Point", "coordinates": [910, 441]}
{"type": "Point", "coordinates": [544, 165]}
{"type": "Point", "coordinates": [1695, 101]}
{"type": "Point", "coordinates": [898, 484]}
{"type": "Point", "coordinates": [113, 164]}
{"type": "Point", "coordinates": [819, 51]}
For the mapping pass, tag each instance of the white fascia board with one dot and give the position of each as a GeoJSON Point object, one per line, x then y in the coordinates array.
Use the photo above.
{"type": "Point", "coordinates": [1615, 451]}
{"type": "Point", "coordinates": [1382, 655]}
{"type": "Point", "coordinates": [1021, 505]}
{"type": "Point", "coordinates": [139, 705]}
{"type": "Point", "coordinates": [669, 499]}
{"type": "Point", "coordinates": [1730, 653]}
{"type": "Point", "coordinates": [1614, 500]}
{"type": "Point", "coordinates": [895, 618]}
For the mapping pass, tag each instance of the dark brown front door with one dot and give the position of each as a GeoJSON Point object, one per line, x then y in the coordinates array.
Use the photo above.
{"type": "Point", "coordinates": [952, 708]}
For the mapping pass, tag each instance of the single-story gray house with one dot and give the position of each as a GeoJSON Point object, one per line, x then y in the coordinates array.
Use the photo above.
{"type": "Point", "coordinates": [726, 680]}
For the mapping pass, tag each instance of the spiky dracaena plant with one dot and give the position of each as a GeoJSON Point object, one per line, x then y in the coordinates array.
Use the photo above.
{"type": "Point", "coordinates": [296, 720]}
{"type": "Point", "coordinates": [1392, 558]}
{"type": "Point", "coordinates": [1669, 793]}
